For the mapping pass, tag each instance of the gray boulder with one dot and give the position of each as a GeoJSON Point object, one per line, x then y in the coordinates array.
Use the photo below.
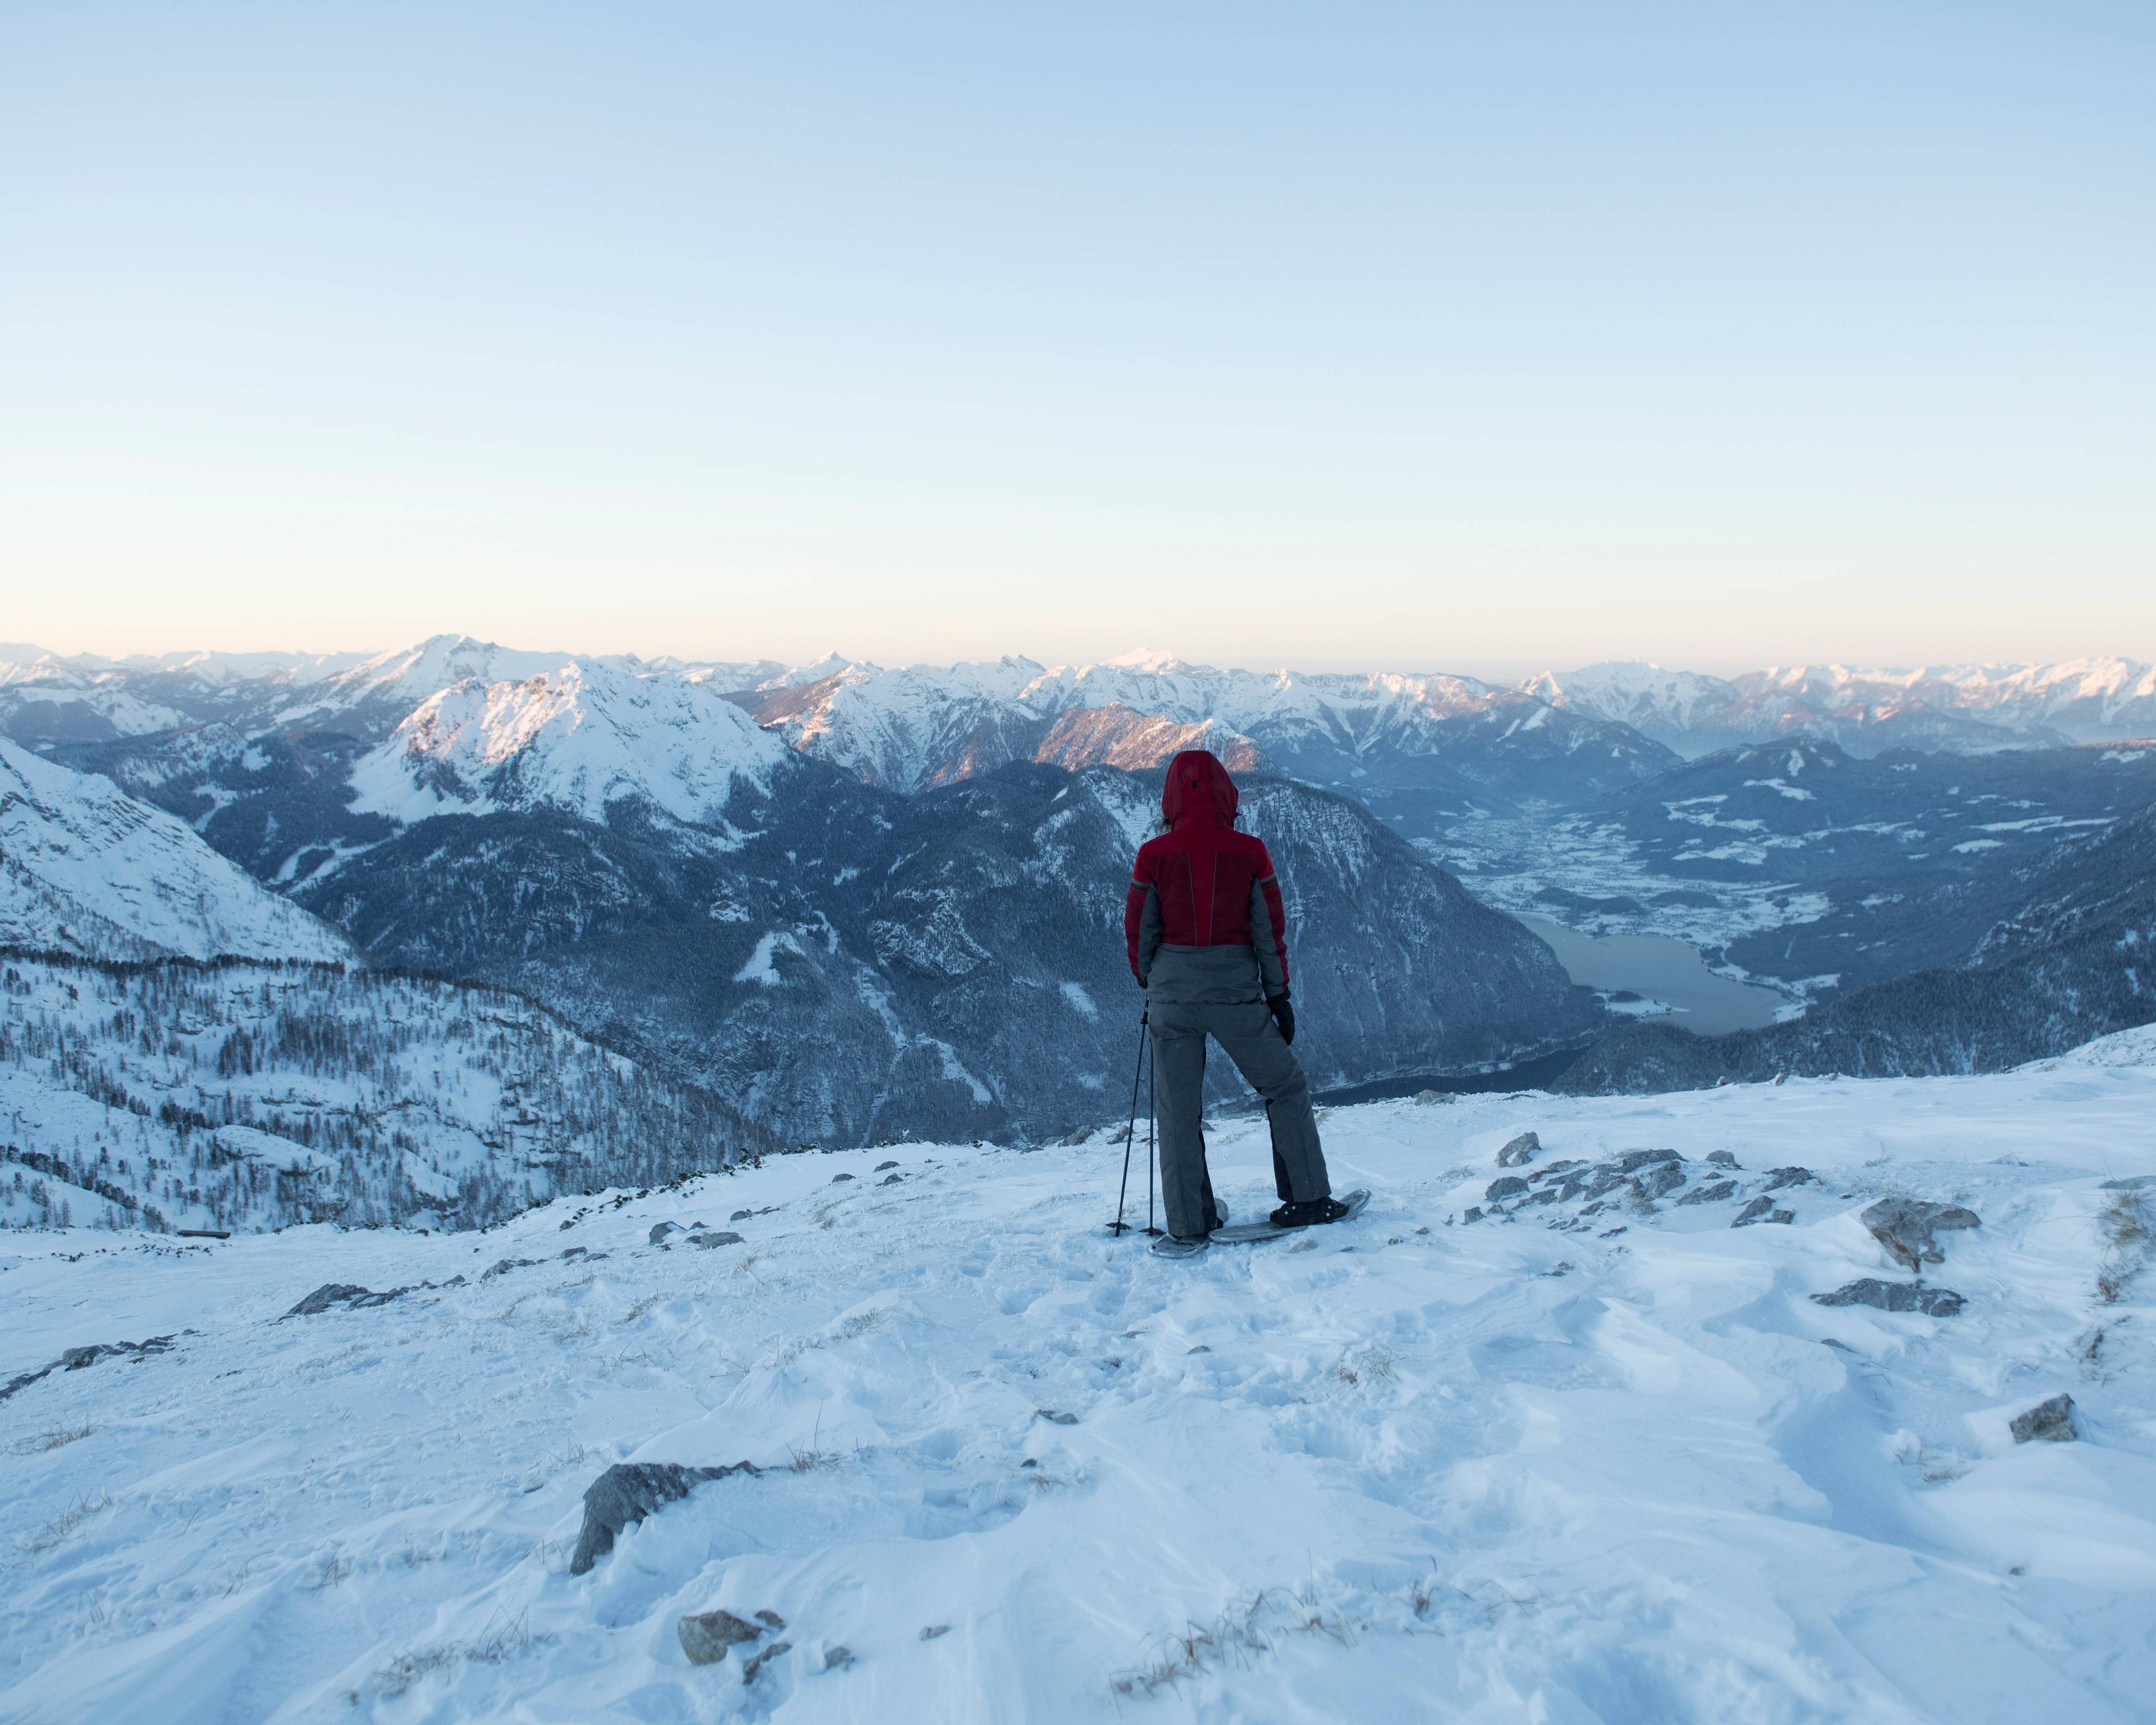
{"type": "Point", "coordinates": [1895, 1296]}
{"type": "Point", "coordinates": [1761, 1209]}
{"type": "Point", "coordinates": [628, 1492]}
{"type": "Point", "coordinates": [1633, 1161]}
{"type": "Point", "coordinates": [718, 1237]}
{"type": "Point", "coordinates": [1505, 1186]}
{"type": "Point", "coordinates": [1905, 1227]}
{"type": "Point", "coordinates": [1722, 1158]}
{"type": "Point", "coordinates": [1519, 1151]}
{"type": "Point", "coordinates": [2050, 1421]}
{"type": "Point", "coordinates": [707, 1636]}
{"type": "Point", "coordinates": [1778, 1178]}
{"type": "Point", "coordinates": [659, 1230]}
{"type": "Point", "coordinates": [1712, 1194]}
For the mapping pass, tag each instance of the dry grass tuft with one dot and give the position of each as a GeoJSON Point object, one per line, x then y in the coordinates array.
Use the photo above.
{"type": "Point", "coordinates": [2131, 1238]}
{"type": "Point", "coordinates": [56, 1531]}
{"type": "Point", "coordinates": [408, 1669]}
{"type": "Point", "coordinates": [58, 1438]}
{"type": "Point", "coordinates": [1364, 1367]}
{"type": "Point", "coordinates": [1237, 1636]}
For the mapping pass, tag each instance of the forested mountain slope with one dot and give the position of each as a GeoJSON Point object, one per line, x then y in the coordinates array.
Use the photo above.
{"type": "Point", "coordinates": [255, 1095]}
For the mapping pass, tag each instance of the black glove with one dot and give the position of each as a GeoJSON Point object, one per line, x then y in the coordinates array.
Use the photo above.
{"type": "Point", "coordinates": [1283, 1015]}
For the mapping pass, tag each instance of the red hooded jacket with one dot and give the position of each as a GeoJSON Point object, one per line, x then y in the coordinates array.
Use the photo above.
{"type": "Point", "coordinates": [1201, 883]}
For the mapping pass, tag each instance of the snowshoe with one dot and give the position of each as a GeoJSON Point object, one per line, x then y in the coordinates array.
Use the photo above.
{"type": "Point", "coordinates": [1168, 1246]}
{"type": "Point", "coordinates": [1311, 1215]}
{"type": "Point", "coordinates": [1351, 1205]}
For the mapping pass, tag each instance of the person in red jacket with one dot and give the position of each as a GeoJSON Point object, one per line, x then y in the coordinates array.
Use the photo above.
{"type": "Point", "coordinates": [1208, 940]}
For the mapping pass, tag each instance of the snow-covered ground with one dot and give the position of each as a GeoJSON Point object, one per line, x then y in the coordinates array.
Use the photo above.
{"type": "Point", "coordinates": [1619, 1468]}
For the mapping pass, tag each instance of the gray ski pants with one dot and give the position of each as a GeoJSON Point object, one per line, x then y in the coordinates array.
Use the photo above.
{"type": "Point", "coordinates": [1246, 1032]}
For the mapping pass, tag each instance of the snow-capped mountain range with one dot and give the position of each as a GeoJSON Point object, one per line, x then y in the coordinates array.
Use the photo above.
{"type": "Point", "coordinates": [912, 726]}
{"type": "Point", "coordinates": [1969, 709]}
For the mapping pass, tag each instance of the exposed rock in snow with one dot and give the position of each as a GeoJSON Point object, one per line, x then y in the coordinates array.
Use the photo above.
{"type": "Point", "coordinates": [86, 869]}
{"type": "Point", "coordinates": [1895, 1296]}
{"type": "Point", "coordinates": [1520, 1151]}
{"type": "Point", "coordinates": [628, 1492]}
{"type": "Point", "coordinates": [1905, 1227]}
{"type": "Point", "coordinates": [2051, 1421]}
{"type": "Point", "coordinates": [708, 1636]}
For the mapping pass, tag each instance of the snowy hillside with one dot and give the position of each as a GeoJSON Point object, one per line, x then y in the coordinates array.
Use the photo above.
{"type": "Point", "coordinates": [1604, 1457]}
{"type": "Point", "coordinates": [250, 1096]}
{"type": "Point", "coordinates": [85, 868]}
{"type": "Point", "coordinates": [580, 737]}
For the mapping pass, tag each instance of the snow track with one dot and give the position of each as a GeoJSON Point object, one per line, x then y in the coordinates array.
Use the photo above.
{"type": "Point", "coordinates": [1021, 1470]}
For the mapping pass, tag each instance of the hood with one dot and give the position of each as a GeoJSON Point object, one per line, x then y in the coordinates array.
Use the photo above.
{"type": "Point", "coordinates": [1198, 790]}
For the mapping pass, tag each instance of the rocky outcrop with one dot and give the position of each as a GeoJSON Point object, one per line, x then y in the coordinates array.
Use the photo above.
{"type": "Point", "coordinates": [347, 1294]}
{"type": "Point", "coordinates": [75, 1358]}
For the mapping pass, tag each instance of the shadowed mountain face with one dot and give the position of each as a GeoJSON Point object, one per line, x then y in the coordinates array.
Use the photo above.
{"type": "Point", "coordinates": [2068, 961]}
{"type": "Point", "coordinates": [850, 964]}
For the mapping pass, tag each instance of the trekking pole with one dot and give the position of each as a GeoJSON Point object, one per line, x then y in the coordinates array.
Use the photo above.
{"type": "Point", "coordinates": [1130, 1131]}
{"type": "Point", "coordinates": [1152, 1155]}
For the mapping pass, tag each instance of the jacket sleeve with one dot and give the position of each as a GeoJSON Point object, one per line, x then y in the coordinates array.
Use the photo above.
{"type": "Point", "coordinates": [1269, 928]}
{"type": "Point", "coordinates": [1142, 924]}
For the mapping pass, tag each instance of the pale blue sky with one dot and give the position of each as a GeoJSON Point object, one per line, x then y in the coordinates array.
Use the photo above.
{"type": "Point", "coordinates": [1482, 338]}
